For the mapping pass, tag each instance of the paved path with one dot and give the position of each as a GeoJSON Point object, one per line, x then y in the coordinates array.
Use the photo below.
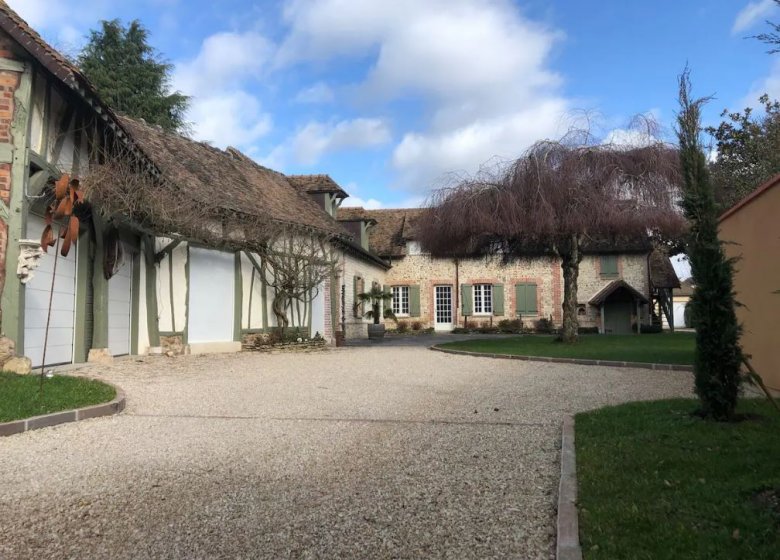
{"type": "Point", "coordinates": [349, 453]}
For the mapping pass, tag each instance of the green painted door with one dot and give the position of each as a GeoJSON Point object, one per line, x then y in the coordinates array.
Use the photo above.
{"type": "Point", "coordinates": [617, 317]}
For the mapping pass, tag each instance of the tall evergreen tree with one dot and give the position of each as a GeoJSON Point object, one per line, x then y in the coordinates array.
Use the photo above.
{"type": "Point", "coordinates": [718, 355]}
{"type": "Point", "coordinates": [131, 76]}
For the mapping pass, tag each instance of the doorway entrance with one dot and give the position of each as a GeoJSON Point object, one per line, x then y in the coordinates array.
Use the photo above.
{"type": "Point", "coordinates": [443, 308]}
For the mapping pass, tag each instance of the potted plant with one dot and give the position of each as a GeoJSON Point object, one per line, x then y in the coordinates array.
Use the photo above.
{"type": "Point", "coordinates": [376, 298]}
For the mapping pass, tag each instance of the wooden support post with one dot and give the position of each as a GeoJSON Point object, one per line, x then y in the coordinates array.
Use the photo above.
{"type": "Point", "coordinates": [99, 288]}
{"type": "Point", "coordinates": [638, 318]}
{"type": "Point", "coordinates": [152, 324]}
{"type": "Point", "coordinates": [12, 301]}
{"type": "Point", "coordinates": [82, 334]}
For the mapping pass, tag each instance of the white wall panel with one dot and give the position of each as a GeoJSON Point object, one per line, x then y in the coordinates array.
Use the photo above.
{"type": "Point", "coordinates": [212, 282]}
{"type": "Point", "coordinates": [120, 288]}
{"type": "Point", "coordinates": [61, 326]}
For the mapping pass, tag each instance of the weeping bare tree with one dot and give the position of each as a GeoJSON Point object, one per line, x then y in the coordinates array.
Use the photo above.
{"type": "Point", "coordinates": [555, 199]}
{"type": "Point", "coordinates": [299, 265]}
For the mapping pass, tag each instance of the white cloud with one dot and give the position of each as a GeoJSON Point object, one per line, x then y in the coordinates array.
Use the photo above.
{"type": "Point", "coordinates": [317, 93]}
{"type": "Point", "coordinates": [224, 119]}
{"type": "Point", "coordinates": [221, 109]}
{"type": "Point", "coordinates": [480, 66]}
{"type": "Point", "coordinates": [769, 85]}
{"type": "Point", "coordinates": [424, 157]}
{"type": "Point", "coordinates": [752, 14]}
{"type": "Point", "coordinates": [224, 60]}
{"type": "Point", "coordinates": [368, 204]}
{"type": "Point", "coordinates": [315, 139]}
{"type": "Point", "coordinates": [629, 138]}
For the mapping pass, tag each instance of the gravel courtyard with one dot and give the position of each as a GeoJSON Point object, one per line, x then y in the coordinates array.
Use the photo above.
{"type": "Point", "coordinates": [348, 453]}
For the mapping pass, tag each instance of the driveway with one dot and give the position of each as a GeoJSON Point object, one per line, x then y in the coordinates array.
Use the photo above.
{"type": "Point", "coordinates": [348, 453]}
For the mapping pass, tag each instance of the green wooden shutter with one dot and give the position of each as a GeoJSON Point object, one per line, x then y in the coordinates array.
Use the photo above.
{"type": "Point", "coordinates": [466, 300]}
{"type": "Point", "coordinates": [609, 265]}
{"type": "Point", "coordinates": [525, 299]}
{"type": "Point", "coordinates": [498, 299]}
{"type": "Point", "coordinates": [530, 298]}
{"type": "Point", "coordinates": [414, 301]}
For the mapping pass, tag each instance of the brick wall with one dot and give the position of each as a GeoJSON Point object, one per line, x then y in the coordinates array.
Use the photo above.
{"type": "Point", "coordinates": [545, 272]}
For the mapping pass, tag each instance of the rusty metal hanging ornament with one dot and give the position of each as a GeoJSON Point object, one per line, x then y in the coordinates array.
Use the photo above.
{"type": "Point", "coordinates": [67, 196]}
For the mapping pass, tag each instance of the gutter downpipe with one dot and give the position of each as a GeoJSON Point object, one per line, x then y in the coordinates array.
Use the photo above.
{"type": "Point", "coordinates": [457, 293]}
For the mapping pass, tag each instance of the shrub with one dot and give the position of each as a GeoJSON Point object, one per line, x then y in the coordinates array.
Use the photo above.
{"type": "Point", "coordinates": [544, 326]}
{"type": "Point", "coordinates": [402, 326]}
{"type": "Point", "coordinates": [416, 325]}
{"type": "Point", "coordinates": [460, 330]}
{"type": "Point", "coordinates": [511, 326]}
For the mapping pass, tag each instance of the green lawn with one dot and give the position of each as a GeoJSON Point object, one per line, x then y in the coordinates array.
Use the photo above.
{"type": "Point", "coordinates": [663, 348]}
{"type": "Point", "coordinates": [20, 398]}
{"type": "Point", "coordinates": [656, 482]}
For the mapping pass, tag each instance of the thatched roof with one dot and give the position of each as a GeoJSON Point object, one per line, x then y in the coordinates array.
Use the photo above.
{"type": "Point", "coordinates": [228, 179]}
{"type": "Point", "coordinates": [393, 228]}
{"type": "Point", "coordinates": [313, 184]}
{"type": "Point", "coordinates": [662, 274]}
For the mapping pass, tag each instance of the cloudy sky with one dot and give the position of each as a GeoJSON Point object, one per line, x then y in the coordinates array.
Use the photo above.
{"type": "Point", "coordinates": [390, 97]}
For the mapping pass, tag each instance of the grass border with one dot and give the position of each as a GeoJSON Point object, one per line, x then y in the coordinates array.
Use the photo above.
{"type": "Point", "coordinates": [579, 361]}
{"type": "Point", "coordinates": [114, 406]}
{"type": "Point", "coordinates": [567, 534]}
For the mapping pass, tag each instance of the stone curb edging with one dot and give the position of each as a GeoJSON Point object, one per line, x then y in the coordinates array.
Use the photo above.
{"type": "Point", "coordinates": [567, 545]}
{"type": "Point", "coordinates": [579, 361]}
{"type": "Point", "coordinates": [109, 408]}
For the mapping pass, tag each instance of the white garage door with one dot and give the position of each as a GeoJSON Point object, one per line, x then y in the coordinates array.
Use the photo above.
{"type": "Point", "coordinates": [59, 349]}
{"type": "Point", "coordinates": [679, 314]}
{"type": "Point", "coordinates": [212, 282]}
{"type": "Point", "coordinates": [119, 309]}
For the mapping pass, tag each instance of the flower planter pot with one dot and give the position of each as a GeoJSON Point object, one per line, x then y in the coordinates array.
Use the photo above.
{"type": "Point", "coordinates": [376, 332]}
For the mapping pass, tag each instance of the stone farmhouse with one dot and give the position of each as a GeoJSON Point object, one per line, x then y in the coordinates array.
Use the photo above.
{"type": "Point", "coordinates": [621, 284]}
{"type": "Point", "coordinates": [136, 285]}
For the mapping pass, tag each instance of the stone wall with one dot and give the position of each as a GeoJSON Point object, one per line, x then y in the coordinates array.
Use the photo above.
{"type": "Point", "coordinates": [545, 272]}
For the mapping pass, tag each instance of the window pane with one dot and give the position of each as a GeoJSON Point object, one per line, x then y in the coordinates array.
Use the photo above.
{"type": "Point", "coordinates": [483, 298]}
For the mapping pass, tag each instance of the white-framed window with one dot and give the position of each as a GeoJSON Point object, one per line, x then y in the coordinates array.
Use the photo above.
{"type": "Point", "coordinates": [401, 300]}
{"type": "Point", "coordinates": [483, 299]}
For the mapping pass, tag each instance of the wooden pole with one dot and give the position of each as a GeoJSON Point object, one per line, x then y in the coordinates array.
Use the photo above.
{"type": "Point", "coordinates": [48, 315]}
